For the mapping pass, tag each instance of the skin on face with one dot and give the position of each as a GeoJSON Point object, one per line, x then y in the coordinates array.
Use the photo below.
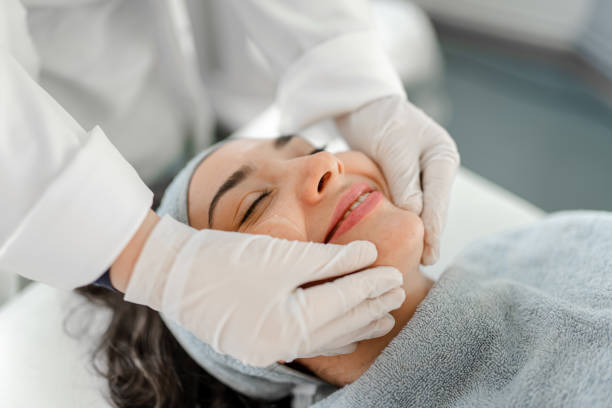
{"type": "Point", "coordinates": [297, 193]}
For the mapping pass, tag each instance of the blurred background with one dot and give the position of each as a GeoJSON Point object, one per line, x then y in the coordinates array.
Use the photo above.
{"type": "Point", "coordinates": [529, 90]}
{"type": "Point", "coordinates": [525, 88]}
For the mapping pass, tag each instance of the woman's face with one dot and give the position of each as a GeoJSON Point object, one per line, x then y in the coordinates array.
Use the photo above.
{"type": "Point", "coordinates": [286, 188]}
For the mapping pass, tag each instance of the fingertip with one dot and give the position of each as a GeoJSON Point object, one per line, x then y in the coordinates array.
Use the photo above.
{"type": "Point", "coordinates": [431, 242]}
{"type": "Point", "coordinates": [378, 327]}
{"type": "Point", "coordinates": [379, 281]}
{"type": "Point", "coordinates": [394, 274]}
{"type": "Point", "coordinates": [365, 245]}
{"type": "Point", "coordinates": [396, 298]}
{"type": "Point", "coordinates": [383, 325]}
{"type": "Point", "coordinates": [430, 256]}
{"type": "Point", "coordinates": [366, 250]}
{"type": "Point", "coordinates": [412, 203]}
{"type": "Point", "coordinates": [341, 260]}
{"type": "Point", "coordinates": [348, 349]}
{"type": "Point", "coordinates": [387, 321]}
{"type": "Point", "coordinates": [433, 223]}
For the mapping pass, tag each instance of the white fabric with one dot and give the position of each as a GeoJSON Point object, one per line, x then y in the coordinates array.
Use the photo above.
{"type": "Point", "coordinates": [74, 201]}
{"type": "Point", "coordinates": [43, 366]}
{"type": "Point", "coordinates": [14, 36]}
{"type": "Point", "coordinates": [109, 65]}
{"type": "Point", "coordinates": [217, 303]}
{"type": "Point", "coordinates": [9, 286]}
{"type": "Point", "coordinates": [242, 85]}
{"type": "Point", "coordinates": [318, 84]}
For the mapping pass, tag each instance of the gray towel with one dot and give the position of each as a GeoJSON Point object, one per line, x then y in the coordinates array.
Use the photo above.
{"type": "Point", "coordinates": [523, 319]}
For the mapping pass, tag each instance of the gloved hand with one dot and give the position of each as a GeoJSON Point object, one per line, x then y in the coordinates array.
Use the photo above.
{"type": "Point", "coordinates": [240, 292]}
{"type": "Point", "coordinates": [417, 156]}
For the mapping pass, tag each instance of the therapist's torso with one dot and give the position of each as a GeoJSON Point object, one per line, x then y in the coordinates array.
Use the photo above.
{"type": "Point", "coordinates": [119, 64]}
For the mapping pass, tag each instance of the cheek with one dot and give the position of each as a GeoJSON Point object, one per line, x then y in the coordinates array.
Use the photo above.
{"type": "Point", "coordinates": [397, 234]}
{"type": "Point", "coordinates": [400, 236]}
{"type": "Point", "coordinates": [280, 226]}
{"type": "Point", "coordinates": [357, 163]}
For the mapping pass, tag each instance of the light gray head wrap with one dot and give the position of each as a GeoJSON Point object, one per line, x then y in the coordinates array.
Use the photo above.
{"type": "Point", "coordinates": [273, 382]}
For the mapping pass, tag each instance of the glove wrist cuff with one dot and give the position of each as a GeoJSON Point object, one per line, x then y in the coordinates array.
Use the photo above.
{"type": "Point", "coordinates": [155, 263]}
{"type": "Point", "coordinates": [364, 127]}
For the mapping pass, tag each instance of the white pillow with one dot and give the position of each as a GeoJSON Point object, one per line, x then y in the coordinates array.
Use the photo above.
{"type": "Point", "coordinates": [41, 365]}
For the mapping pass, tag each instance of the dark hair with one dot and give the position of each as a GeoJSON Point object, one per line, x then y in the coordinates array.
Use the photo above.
{"type": "Point", "coordinates": [146, 367]}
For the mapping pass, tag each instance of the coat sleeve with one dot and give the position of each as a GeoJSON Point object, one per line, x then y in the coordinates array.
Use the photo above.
{"type": "Point", "coordinates": [326, 54]}
{"type": "Point", "coordinates": [69, 201]}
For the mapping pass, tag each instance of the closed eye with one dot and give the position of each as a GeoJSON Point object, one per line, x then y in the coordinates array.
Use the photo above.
{"type": "Point", "coordinates": [253, 206]}
{"type": "Point", "coordinates": [266, 193]}
{"type": "Point", "coordinates": [318, 150]}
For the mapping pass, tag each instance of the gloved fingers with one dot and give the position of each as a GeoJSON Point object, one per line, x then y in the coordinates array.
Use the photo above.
{"type": "Point", "coordinates": [375, 329]}
{"type": "Point", "coordinates": [358, 322]}
{"type": "Point", "coordinates": [438, 178]}
{"type": "Point", "coordinates": [401, 168]}
{"type": "Point", "coordinates": [336, 260]}
{"type": "Point", "coordinates": [406, 191]}
{"type": "Point", "coordinates": [347, 349]}
{"type": "Point", "coordinates": [431, 248]}
{"type": "Point", "coordinates": [325, 302]}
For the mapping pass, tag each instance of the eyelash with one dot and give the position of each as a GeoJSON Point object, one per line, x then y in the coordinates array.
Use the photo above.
{"type": "Point", "coordinates": [318, 150]}
{"type": "Point", "coordinates": [251, 208]}
{"type": "Point", "coordinates": [266, 193]}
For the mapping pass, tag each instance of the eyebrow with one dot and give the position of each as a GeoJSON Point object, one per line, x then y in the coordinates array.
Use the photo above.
{"type": "Point", "coordinates": [232, 181]}
{"type": "Point", "coordinates": [282, 140]}
{"type": "Point", "coordinates": [238, 177]}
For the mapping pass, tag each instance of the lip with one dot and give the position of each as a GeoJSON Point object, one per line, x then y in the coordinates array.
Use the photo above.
{"type": "Point", "coordinates": [357, 214]}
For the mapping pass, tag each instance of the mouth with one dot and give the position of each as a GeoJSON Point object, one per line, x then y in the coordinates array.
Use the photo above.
{"type": "Point", "coordinates": [353, 206]}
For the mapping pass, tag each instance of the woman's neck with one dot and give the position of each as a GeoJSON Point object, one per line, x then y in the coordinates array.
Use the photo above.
{"type": "Point", "coordinates": [344, 369]}
{"type": "Point", "coordinates": [417, 286]}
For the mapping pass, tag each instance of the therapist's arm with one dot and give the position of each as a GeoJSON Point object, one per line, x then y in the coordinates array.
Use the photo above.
{"type": "Point", "coordinates": [121, 270]}
{"type": "Point", "coordinates": [75, 202]}
{"type": "Point", "coordinates": [326, 55]}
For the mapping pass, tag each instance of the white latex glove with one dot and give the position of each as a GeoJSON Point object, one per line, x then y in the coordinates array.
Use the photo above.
{"type": "Point", "coordinates": [417, 156]}
{"type": "Point", "coordinates": [240, 292]}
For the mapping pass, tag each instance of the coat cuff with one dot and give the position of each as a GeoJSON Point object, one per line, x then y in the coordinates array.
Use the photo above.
{"type": "Point", "coordinates": [82, 222]}
{"type": "Point", "coordinates": [336, 77]}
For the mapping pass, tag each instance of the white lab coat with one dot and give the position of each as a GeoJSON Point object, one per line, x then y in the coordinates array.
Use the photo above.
{"type": "Point", "coordinates": [69, 201]}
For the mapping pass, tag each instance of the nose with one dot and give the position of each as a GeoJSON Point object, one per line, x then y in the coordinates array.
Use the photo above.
{"type": "Point", "coordinates": [317, 174]}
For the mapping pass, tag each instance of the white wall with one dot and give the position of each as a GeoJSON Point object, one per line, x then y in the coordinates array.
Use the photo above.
{"type": "Point", "coordinates": [550, 23]}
